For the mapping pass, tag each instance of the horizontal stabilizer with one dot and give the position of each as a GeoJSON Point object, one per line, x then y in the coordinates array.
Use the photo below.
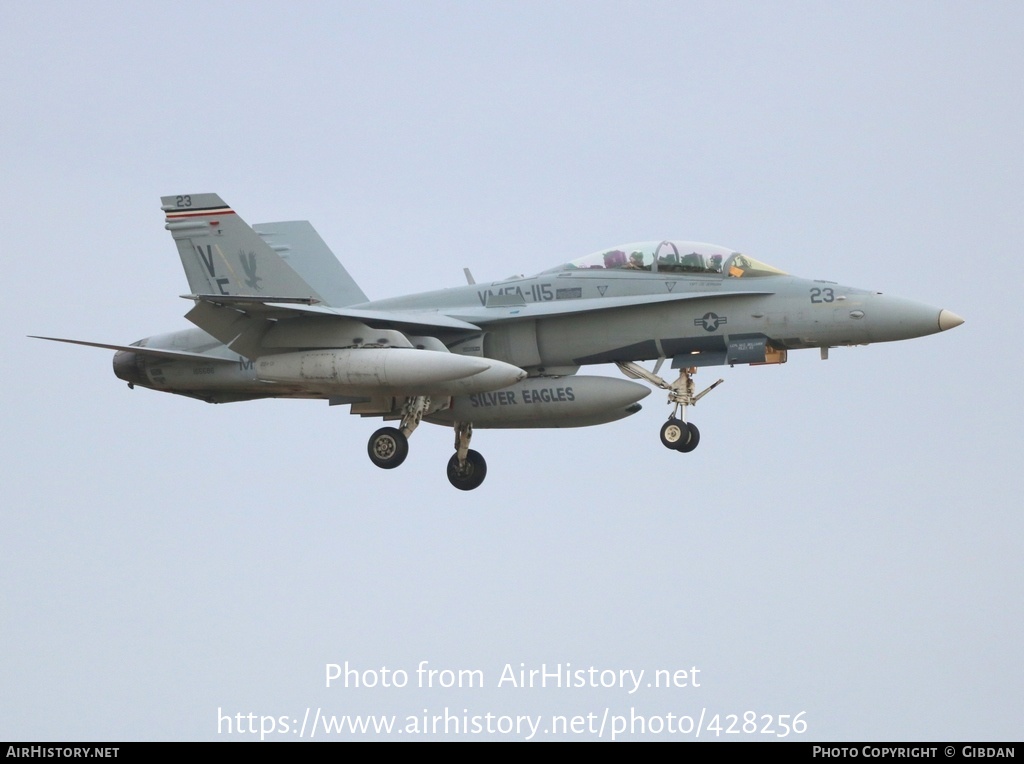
{"type": "Point", "coordinates": [156, 352]}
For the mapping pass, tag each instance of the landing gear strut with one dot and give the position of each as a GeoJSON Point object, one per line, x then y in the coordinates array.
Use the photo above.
{"type": "Point", "coordinates": [676, 434]}
{"type": "Point", "coordinates": [467, 468]}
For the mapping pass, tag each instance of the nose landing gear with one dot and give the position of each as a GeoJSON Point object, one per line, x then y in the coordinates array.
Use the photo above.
{"type": "Point", "coordinates": [676, 434]}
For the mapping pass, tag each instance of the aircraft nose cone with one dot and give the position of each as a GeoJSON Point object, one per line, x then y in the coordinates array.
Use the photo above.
{"type": "Point", "coordinates": [948, 320]}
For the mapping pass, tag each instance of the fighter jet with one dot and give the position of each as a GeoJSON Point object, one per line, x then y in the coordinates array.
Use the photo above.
{"type": "Point", "coordinates": [278, 316]}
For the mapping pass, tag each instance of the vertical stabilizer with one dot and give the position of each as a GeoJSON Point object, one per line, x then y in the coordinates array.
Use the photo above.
{"type": "Point", "coordinates": [222, 255]}
{"type": "Point", "coordinates": [303, 249]}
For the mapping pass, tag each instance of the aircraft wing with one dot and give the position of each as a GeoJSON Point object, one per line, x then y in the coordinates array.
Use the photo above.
{"type": "Point", "coordinates": [420, 320]}
{"type": "Point", "coordinates": [282, 306]}
{"type": "Point", "coordinates": [511, 309]}
{"type": "Point", "coordinates": [156, 352]}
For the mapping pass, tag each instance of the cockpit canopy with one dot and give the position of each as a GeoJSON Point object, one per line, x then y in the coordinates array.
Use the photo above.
{"type": "Point", "coordinates": [672, 257]}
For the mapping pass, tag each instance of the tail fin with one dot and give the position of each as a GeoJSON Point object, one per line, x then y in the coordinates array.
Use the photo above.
{"type": "Point", "coordinates": [301, 247]}
{"type": "Point", "coordinates": [222, 255]}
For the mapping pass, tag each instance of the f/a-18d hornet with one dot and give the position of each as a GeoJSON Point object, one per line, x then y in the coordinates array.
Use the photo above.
{"type": "Point", "coordinates": [278, 316]}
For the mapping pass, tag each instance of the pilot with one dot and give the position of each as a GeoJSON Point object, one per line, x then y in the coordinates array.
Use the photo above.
{"type": "Point", "coordinates": [616, 258]}
{"type": "Point", "coordinates": [716, 264]}
{"type": "Point", "coordinates": [636, 260]}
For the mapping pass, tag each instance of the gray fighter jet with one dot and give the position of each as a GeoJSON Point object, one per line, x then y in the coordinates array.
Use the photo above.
{"type": "Point", "coordinates": [279, 317]}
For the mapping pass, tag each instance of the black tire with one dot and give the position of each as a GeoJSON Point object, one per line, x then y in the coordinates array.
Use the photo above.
{"type": "Point", "coordinates": [388, 448]}
{"type": "Point", "coordinates": [694, 438]}
{"type": "Point", "coordinates": [472, 473]}
{"type": "Point", "coordinates": [674, 434]}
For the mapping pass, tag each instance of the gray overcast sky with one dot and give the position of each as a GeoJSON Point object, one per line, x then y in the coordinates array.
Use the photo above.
{"type": "Point", "coordinates": [846, 542]}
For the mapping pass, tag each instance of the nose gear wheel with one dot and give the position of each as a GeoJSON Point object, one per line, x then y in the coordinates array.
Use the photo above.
{"type": "Point", "coordinates": [674, 433]}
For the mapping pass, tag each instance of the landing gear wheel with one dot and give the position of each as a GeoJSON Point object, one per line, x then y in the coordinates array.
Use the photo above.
{"type": "Point", "coordinates": [694, 439]}
{"type": "Point", "coordinates": [674, 433]}
{"type": "Point", "coordinates": [388, 448]}
{"type": "Point", "coordinates": [470, 475]}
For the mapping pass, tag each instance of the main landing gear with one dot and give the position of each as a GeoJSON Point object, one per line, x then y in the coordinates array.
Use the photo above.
{"type": "Point", "coordinates": [467, 468]}
{"type": "Point", "coordinates": [676, 434]}
{"type": "Point", "coordinates": [389, 446]}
